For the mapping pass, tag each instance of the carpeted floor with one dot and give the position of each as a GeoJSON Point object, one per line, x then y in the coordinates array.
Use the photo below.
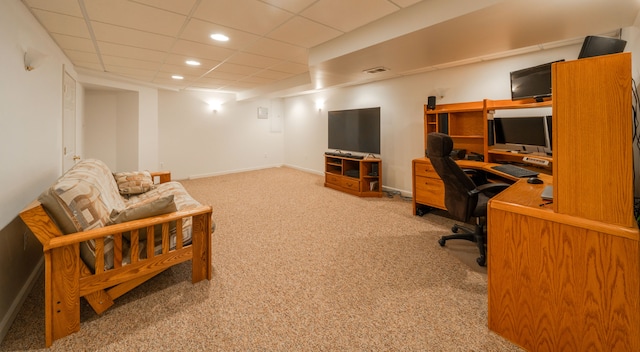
{"type": "Point", "coordinates": [297, 267]}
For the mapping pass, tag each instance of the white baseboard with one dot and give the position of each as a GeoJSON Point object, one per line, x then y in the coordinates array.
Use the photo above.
{"type": "Point", "coordinates": [227, 172]}
{"type": "Point", "coordinates": [15, 306]}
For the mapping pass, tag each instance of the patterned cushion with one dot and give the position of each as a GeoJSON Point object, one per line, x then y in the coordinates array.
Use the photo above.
{"type": "Point", "coordinates": [82, 199]}
{"type": "Point", "coordinates": [87, 195]}
{"type": "Point", "coordinates": [134, 182]}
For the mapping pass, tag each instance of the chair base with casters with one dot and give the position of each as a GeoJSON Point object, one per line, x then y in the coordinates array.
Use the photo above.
{"type": "Point", "coordinates": [476, 235]}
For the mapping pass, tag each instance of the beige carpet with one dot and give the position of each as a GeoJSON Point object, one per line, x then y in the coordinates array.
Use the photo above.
{"type": "Point", "coordinates": [297, 267]}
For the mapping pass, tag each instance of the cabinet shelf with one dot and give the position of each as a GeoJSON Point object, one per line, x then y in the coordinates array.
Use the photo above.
{"type": "Point", "coordinates": [360, 177]}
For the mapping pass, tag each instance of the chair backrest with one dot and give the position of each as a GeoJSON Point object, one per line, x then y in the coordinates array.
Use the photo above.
{"type": "Point", "coordinates": [457, 184]}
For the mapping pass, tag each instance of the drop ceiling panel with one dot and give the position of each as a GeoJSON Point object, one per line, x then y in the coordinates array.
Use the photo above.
{"type": "Point", "coordinates": [182, 7]}
{"type": "Point", "coordinates": [254, 60]}
{"type": "Point", "coordinates": [348, 15]}
{"type": "Point", "coordinates": [199, 31]}
{"type": "Point", "coordinates": [132, 15]}
{"type": "Point", "coordinates": [180, 60]}
{"type": "Point", "coordinates": [290, 67]}
{"type": "Point", "coordinates": [303, 32]}
{"type": "Point", "coordinates": [130, 37]}
{"type": "Point", "coordinates": [252, 16]}
{"type": "Point", "coordinates": [280, 50]}
{"type": "Point", "coordinates": [68, 7]}
{"type": "Point", "coordinates": [132, 63]}
{"type": "Point", "coordinates": [62, 24]}
{"type": "Point", "coordinates": [293, 6]}
{"type": "Point", "coordinates": [130, 52]}
{"type": "Point", "coordinates": [83, 56]}
{"type": "Point", "coordinates": [74, 43]}
{"type": "Point", "coordinates": [201, 51]}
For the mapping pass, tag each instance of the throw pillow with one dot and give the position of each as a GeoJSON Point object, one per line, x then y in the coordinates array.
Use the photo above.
{"type": "Point", "coordinates": [134, 182]}
{"type": "Point", "coordinates": [144, 209]}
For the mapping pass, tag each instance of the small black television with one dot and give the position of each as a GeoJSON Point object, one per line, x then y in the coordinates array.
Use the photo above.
{"type": "Point", "coordinates": [595, 46]}
{"type": "Point", "coordinates": [526, 133]}
{"type": "Point", "coordinates": [355, 130]}
{"type": "Point", "coordinates": [532, 82]}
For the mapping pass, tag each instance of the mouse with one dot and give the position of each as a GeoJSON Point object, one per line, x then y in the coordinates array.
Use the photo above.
{"type": "Point", "coordinates": [535, 180]}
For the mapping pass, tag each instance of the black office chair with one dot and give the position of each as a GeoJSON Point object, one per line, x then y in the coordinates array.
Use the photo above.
{"type": "Point", "coordinates": [463, 198]}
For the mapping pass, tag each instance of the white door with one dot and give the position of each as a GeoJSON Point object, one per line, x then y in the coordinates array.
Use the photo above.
{"type": "Point", "coordinates": [69, 156]}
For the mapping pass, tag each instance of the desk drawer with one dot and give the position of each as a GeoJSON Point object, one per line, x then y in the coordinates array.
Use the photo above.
{"type": "Point", "coordinates": [430, 191]}
{"type": "Point", "coordinates": [351, 183]}
{"type": "Point", "coordinates": [333, 179]}
{"type": "Point", "coordinates": [426, 169]}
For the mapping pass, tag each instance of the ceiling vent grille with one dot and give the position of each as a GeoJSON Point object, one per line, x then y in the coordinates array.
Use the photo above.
{"type": "Point", "coordinates": [376, 70]}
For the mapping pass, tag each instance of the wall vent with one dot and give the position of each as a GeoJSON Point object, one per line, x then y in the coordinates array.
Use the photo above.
{"type": "Point", "coordinates": [376, 69]}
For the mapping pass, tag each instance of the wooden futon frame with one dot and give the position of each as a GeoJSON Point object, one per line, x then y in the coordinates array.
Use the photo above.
{"type": "Point", "coordinates": [67, 277]}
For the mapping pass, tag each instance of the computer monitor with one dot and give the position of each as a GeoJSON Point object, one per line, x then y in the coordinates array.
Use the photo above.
{"type": "Point", "coordinates": [523, 133]}
{"type": "Point", "coordinates": [596, 46]}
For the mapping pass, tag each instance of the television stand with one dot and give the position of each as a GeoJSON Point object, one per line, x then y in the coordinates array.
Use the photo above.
{"type": "Point", "coordinates": [358, 176]}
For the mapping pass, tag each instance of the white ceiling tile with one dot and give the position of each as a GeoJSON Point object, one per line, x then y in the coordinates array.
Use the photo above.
{"type": "Point", "coordinates": [200, 31]}
{"type": "Point", "coordinates": [248, 15]}
{"type": "Point", "coordinates": [239, 69]}
{"type": "Point", "coordinates": [303, 32]}
{"type": "Point", "coordinates": [180, 61]}
{"type": "Point", "coordinates": [63, 24]}
{"type": "Point", "coordinates": [254, 60]}
{"type": "Point", "coordinates": [348, 15]}
{"type": "Point", "coordinates": [74, 43]}
{"type": "Point", "coordinates": [68, 7]}
{"type": "Point", "coordinates": [130, 51]}
{"type": "Point", "coordinates": [405, 3]}
{"type": "Point", "coordinates": [201, 51]}
{"type": "Point", "coordinates": [130, 37]}
{"type": "Point", "coordinates": [82, 56]}
{"type": "Point", "coordinates": [129, 14]}
{"type": "Point", "coordinates": [132, 63]}
{"type": "Point", "coordinates": [294, 6]}
{"type": "Point", "coordinates": [182, 7]}
{"type": "Point", "coordinates": [290, 67]}
{"type": "Point", "coordinates": [273, 75]}
{"type": "Point", "coordinates": [280, 50]}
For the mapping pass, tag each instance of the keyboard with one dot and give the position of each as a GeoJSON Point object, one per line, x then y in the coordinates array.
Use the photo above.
{"type": "Point", "coordinates": [515, 171]}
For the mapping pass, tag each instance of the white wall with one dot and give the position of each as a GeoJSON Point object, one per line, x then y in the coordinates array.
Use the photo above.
{"type": "Point", "coordinates": [145, 115]}
{"type": "Point", "coordinates": [100, 130]}
{"type": "Point", "coordinates": [401, 101]}
{"type": "Point", "coordinates": [196, 142]}
{"type": "Point", "coordinates": [127, 132]}
{"type": "Point", "coordinates": [30, 144]}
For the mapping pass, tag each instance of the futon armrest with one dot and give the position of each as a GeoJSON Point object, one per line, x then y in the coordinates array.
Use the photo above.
{"type": "Point", "coordinates": [110, 230]}
{"type": "Point", "coordinates": [163, 176]}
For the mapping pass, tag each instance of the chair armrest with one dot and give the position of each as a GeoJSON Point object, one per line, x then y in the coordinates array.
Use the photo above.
{"type": "Point", "coordinates": [490, 189]}
{"type": "Point", "coordinates": [163, 176]}
{"type": "Point", "coordinates": [477, 176]}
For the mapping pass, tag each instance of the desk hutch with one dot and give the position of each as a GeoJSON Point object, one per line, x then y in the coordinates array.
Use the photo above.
{"type": "Point", "coordinates": [566, 275]}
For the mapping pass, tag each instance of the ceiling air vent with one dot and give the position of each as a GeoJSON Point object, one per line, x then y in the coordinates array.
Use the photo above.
{"type": "Point", "coordinates": [376, 69]}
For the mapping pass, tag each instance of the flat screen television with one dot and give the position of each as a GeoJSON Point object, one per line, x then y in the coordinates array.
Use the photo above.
{"type": "Point", "coordinates": [596, 46]}
{"type": "Point", "coordinates": [532, 82]}
{"type": "Point", "coordinates": [525, 133]}
{"type": "Point", "coordinates": [355, 130]}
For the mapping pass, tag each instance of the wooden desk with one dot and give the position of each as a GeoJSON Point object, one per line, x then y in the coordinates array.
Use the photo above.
{"type": "Point", "coordinates": [428, 189]}
{"type": "Point", "coordinates": [560, 282]}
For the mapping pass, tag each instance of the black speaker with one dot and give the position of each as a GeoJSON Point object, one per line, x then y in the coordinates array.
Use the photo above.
{"type": "Point", "coordinates": [490, 131]}
{"type": "Point", "coordinates": [431, 102]}
{"type": "Point", "coordinates": [374, 170]}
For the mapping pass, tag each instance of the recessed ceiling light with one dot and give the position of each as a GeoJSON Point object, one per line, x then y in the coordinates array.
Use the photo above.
{"type": "Point", "coordinates": [177, 77]}
{"type": "Point", "coordinates": [219, 37]}
{"type": "Point", "coordinates": [192, 63]}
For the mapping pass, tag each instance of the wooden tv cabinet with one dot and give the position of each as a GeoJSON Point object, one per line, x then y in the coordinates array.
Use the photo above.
{"type": "Point", "coordinates": [360, 177]}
